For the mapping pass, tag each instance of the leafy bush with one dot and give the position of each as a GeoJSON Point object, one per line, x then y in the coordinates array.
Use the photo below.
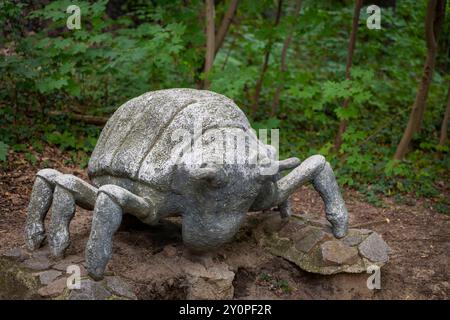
{"type": "Point", "coordinates": [160, 44]}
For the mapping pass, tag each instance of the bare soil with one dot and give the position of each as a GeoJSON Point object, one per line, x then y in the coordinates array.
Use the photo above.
{"type": "Point", "coordinates": [417, 233]}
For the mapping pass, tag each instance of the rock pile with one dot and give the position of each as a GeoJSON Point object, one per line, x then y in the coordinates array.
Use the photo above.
{"type": "Point", "coordinates": [174, 273]}
{"type": "Point", "coordinates": [35, 275]}
{"type": "Point", "coordinates": [311, 246]}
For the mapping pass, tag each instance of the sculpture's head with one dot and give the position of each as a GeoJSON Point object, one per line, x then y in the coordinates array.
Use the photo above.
{"type": "Point", "coordinates": [216, 196]}
{"type": "Point", "coordinates": [216, 200]}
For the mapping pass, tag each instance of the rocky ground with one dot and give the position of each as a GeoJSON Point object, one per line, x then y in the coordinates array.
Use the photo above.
{"type": "Point", "coordinates": [153, 263]}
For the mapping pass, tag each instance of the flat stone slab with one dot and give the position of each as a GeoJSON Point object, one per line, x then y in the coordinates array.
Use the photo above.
{"type": "Point", "coordinates": [337, 253]}
{"type": "Point", "coordinates": [311, 237]}
{"type": "Point", "coordinates": [17, 254]}
{"type": "Point", "coordinates": [68, 261]}
{"type": "Point", "coordinates": [47, 279]}
{"type": "Point", "coordinates": [374, 248]}
{"type": "Point", "coordinates": [173, 273]}
{"type": "Point", "coordinates": [17, 282]}
{"type": "Point", "coordinates": [120, 287]}
{"type": "Point", "coordinates": [310, 245]}
{"type": "Point", "coordinates": [34, 275]}
{"type": "Point", "coordinates": [90, 290]}
{"type": "Point", "coordinates": [48, 276]}
{"type": "Point", "coordinates": [208, 283]}
{"type": "Point", "coordinates": [54, 288]}
{"type": "Point", "coordinates": [41, 263]}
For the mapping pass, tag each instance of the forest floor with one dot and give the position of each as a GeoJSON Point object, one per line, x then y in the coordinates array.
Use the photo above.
{"type": "Point", "coordinates": [418, 235]}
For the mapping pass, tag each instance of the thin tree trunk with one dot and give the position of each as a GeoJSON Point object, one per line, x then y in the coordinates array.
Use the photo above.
{"type": "Point", "coordinates": [433, 22]}
{"type": "Point", "coordinates": [258, 87]}
{"type": "Point", "coordinates": [260, 81]}
{"type": "Point", "coordinates": [227, 56]}
{"type": "Point", "coordinates": [210, 35]}
{"type": "Point", "coordinates": [97, 120]}
{"type": "Point", "coordinates": [226, 22]}
{"type": "Point", "coordinates": [444, 126]}
{"type": "Point", "coordinates": [432, 41]}
{"type": "Point", "coordinates": [287, 42]}
{"type": "Point", "coordinates": [232, 44]}
{"type": "Point", "coordinates": [351, 50]}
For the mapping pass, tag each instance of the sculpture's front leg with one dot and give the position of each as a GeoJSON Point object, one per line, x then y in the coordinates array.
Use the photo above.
{"type": "Point", "coordinates": [317, 170]}
{"type": "Point", "coordinates": [112, 201]}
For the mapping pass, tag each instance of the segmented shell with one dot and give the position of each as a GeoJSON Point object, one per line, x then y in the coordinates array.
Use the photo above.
{"type": "Point", "coordinates": [137, 141]}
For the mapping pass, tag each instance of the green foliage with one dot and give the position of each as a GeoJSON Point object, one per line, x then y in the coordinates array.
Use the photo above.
{"type": "Point", "coordinates": [159, 44]}
{"type": "Point", "coordinates": [442, 207]}
{"type": "Point", "coordinates": [3, 151]}
{"type": "Point", "coordinates": [93, 66]}
{"type": "Point", "coordinates": [284, 286]}
{"type": "Point", "coordinates": [265, 277]}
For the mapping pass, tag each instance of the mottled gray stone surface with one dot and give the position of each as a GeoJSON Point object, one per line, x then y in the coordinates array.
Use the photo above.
{"type": "Point", "coordinates": [54, 288]}
{"type": "Point", "coordinates": [68, 261]}
{"type": "Point", "coordinates": [177, 151]}
{"type": "Point", "coordinates": [374, 248]}
{"type": "Point", "coordinates": [120, 288]}
{"type": "Point", "coordinates": [48, 276]}
{"type": "Point", "coordinates": [90, 290]}
{"type": "Point", "coordinates": [214, 282]}
{"type": "Point", "coordinates": [18, 254]}
{"type": "Point", "coordinates": [311, 237]}
{"type": "Point", "coordinates": [314, 249]}
{"type": "Point", "coordinates": [41, 263]}
{"type": "Point", "coordinates": [337, 253]}
{"type": "Point", "coordinates": [18, 280]}
{"type": "Point", "coordinates": [137, 140]}
{"type": "Point", "coordinates": [354, 239]}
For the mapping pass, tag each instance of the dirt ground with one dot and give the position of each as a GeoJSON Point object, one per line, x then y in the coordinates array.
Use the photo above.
{"type": "Point", "coordinates": [418, 235]}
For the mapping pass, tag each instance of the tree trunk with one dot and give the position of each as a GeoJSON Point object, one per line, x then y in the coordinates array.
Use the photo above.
{"type": "Point", "coordinates": [260, 81]}
{"type": "Point", "coordinates": [444, 126]}
{"type": "Point", "coordinates": [432, 41]}
{"type": "Point", "coordinates": [433, 22]}
{"type": "Point", "coordinates": [226, 22]}
{"type": "Point", "coordinates": [351, 50]}
{"type": "Point", "coordinates": [210, 35]}
{"type": "Point", "coordinates": [227, 56]}
{"type": "Point", "coordinates": [287, 42]}
{"type": "Point", "coordinates": [80, 117]}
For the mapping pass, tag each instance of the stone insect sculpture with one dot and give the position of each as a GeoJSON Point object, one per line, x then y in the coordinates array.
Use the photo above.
{"type": "Point", "coordinates": [140, 167]}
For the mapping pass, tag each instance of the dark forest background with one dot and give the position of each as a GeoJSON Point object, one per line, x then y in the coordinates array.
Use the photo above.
{"type": "Point", "coordinates": [374, 102]}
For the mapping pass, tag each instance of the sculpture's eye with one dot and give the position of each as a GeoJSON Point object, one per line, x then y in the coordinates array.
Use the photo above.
{"type": "Point", "coordinates": [211, 175]}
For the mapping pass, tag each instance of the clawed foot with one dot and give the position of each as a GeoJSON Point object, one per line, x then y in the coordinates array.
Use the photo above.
{"type": "Point", "coordinates": [338, 216]}
{"type": "Point", "coordinates": [34, 235]}
{"type": "Point", "coordinates": [58, 243]}
{"type": "Point", "coordinates": [285, 209]}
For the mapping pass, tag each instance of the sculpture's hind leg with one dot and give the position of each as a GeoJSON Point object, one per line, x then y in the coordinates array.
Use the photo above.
{"type": "Point", "coordinates": [61, 192]}
{"type": "Point", "coordinates": [112, 201]}
{"type": "Point", "coordinates": [69, 190]}
{"type": "Point", "coordinates": [317, 170]}
{"type": "Point", "coordinates": [40, 201]}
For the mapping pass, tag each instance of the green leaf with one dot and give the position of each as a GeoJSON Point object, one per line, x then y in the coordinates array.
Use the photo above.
{"type": "Point", "coordinates": [347, 113]}
{"type": "Point", "coordinates": [335, 90]}
{"type": "Point", "coordinates": [3, 151]}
